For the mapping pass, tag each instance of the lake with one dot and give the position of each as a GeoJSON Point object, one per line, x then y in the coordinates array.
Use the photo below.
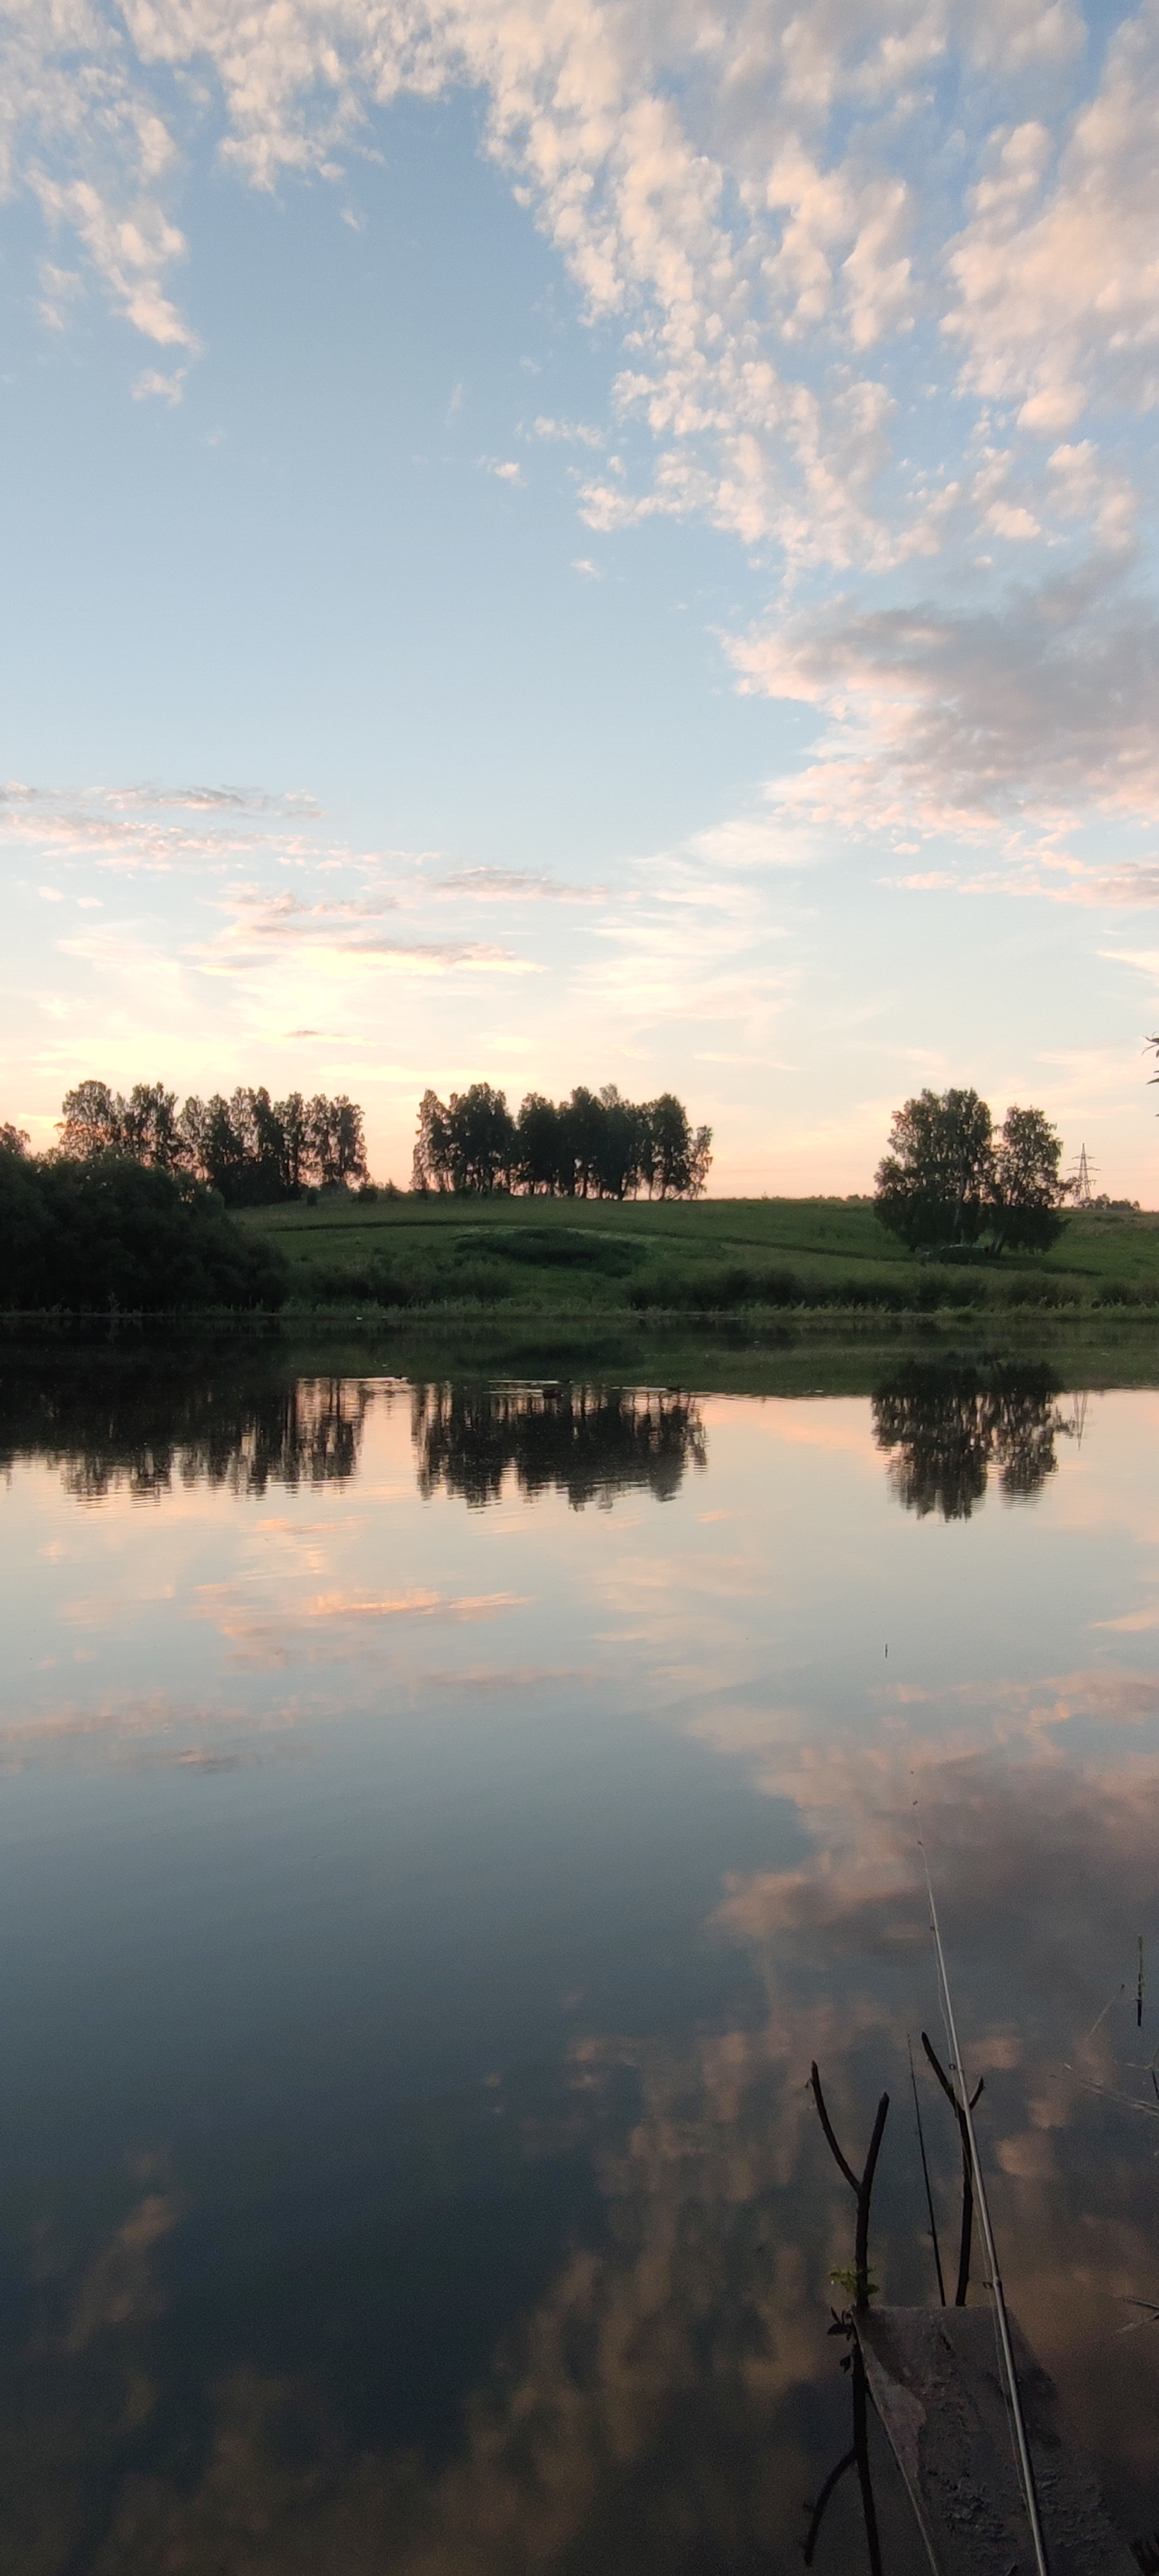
{"type": "Point", "coordinates": [442, 1822]}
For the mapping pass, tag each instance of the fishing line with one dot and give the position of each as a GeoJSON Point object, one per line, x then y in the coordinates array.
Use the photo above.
{"type": "Point", "coordinates": [1022, 2446]}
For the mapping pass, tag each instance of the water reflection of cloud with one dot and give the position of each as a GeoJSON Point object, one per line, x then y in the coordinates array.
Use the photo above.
{"type": "Point", "coordinates": [284, 1629]}
{"type": "Point", "coordinates": [119, 2287]}
{"type": "Point", "coordinates": [124, 1732]}
{"type": "Point", "coordinates": [664, 2390]}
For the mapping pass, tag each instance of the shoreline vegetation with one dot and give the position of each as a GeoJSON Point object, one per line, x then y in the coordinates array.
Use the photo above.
{"type": "Point", "coordinates": [249, 1206]}
{"type": "Point", "coordinates": [111, 1237]}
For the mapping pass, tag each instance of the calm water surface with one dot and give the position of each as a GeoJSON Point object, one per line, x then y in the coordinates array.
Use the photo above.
{"type": "Point", "coordinates": [440, 1826]}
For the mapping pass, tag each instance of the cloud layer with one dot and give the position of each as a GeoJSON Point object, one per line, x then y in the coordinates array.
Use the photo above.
{"type": "Point", "coordinates": [885, 279]}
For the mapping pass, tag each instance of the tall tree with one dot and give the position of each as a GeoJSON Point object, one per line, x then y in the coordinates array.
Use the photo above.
{"type": "Point", "coordinates": [621, 1145]}
{"type": "Point", "coordinates": [679, 1156]}
{"type": "Point", "coordinates": [223, 1146]}
{"type": "Point", "coordinates": [337, 1144]}
{"type": "Point", "coordinates": [482, 1140]}
{"type": "Point", "coordinates": [934, 1185]}
{"type": "Point", "coordinates": [595, 1145]}
{"type": "Point", "coordinates": [90, 1121]}
{"type": "Point", "coordinates": [294, 1145]}
{"type": "Point", "coordinates": [431, 1162]}
{"type": "Point", "coordinates": [537, 1144]}
{"type": "Point", "coordinates": [148, 1125]}
{"type": "Point", "coordinates": [1026, 1193]}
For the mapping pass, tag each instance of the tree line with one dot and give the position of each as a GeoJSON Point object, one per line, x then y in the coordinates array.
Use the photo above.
{"type": "Point", "coordinates": [951, 1179]}
{"type": "Point", "coordinates": [595, 1145]}
{"type": "Point", "coordinates": [253, 1150]}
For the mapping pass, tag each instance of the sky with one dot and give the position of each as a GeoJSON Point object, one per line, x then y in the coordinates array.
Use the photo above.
{"type": "Point", "coordinates": [549, 543]}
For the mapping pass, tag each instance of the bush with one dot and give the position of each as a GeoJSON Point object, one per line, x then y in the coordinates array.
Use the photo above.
{"type": "Point", "coordinates": [1042, 1291]}
{"type": "Point", "coordinates": [94, 1236]}
{"type": "Point", "coordinates": [374, 1283]}
{"type": "Point", "coordinates": [558, 1247]}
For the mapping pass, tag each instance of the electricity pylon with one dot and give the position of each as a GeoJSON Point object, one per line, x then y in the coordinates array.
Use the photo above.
{"type": "Point", "coordinates": [1083, 1194]}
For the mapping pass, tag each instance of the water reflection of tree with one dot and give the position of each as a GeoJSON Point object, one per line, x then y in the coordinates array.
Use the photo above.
{"type": "Point", "coordinates": [949, 1426]}
{"type": "Point", "coordinates": [163, 1422]}
{"type": "Point", "coordinates": [587, 1442]}
{"type": "Point", "coordinates": [154, 1418]}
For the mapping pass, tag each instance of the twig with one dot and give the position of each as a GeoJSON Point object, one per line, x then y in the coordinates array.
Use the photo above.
{"type": "Point", "coordinates": [926, 2173]}
{"type": "Point", "coordinates": [861, 2449]}
{"type": "Point", "coordinates": [966, 2244]}
{"type": "Point", "coordinates": [1022, 2446]}
{"type": "Point", "coordinates": [861, 2186]}
{"type": "Point", "coordinates": [819, 2508]}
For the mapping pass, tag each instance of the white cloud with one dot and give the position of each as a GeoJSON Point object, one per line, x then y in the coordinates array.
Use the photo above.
{"type": "Point", "coordinates": [769, 208]}
{"type": "Point", "coordinates": [515, 885]}
{"type": "Point", "coordinates": [574, 431]}
{"type": "Point", "coordinates": [944, 719]}
{"type": "Point", "coordinates": [694, 171]}
{"type": "Point", "coordinates": [1057, 271]}
{"type": "Point", "coordinates": [170, 389]}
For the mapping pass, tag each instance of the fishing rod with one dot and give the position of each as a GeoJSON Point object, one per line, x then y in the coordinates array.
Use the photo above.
{"type": "Point", "coordinates": [1021, 2443]}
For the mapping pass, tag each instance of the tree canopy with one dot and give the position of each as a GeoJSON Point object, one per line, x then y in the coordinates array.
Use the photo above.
{"type": "Point", "coordinates": [951, 1179]}
{"type": "Point", "coordinates": [107, 1232]}
{"type": "Point", "coordinates": [595, 1145]}
{"type": "Point", "coordinates": [252, 1149]}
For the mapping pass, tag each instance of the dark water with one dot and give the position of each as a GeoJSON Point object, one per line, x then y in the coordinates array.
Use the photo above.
{"type": "Point", "coordinates": [440, 1826]}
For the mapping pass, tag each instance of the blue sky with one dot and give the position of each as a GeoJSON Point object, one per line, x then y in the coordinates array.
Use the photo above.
{"type": "Point", "coordinates": [585, 543]}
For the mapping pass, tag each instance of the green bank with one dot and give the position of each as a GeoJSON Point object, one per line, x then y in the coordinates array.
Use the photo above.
{"type": "Point", "coordinates": [551, 1257]}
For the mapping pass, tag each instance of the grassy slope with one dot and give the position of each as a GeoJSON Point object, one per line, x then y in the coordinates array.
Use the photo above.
{"type": "Point", "coordinates": [553, 1256]}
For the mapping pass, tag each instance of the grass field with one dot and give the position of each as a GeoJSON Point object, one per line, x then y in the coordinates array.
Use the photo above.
{"type": "Point", "coordinates": [555, 1257]}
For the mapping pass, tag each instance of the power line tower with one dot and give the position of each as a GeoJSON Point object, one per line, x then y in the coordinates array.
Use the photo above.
{"type": "Point", "coordinates": [1083, 1194]}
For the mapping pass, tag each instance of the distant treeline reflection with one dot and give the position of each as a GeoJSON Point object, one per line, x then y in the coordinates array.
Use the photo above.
{"type": "Point", "coordinates": [149, 1427]}
{"type": "Point", "coordinates": [153, 1419]}
{"type": "Point", "coordinates": [586, 1442]}
{"type": "Point", "coordinates": [150, 1422]}
{"type": "Point", "coordinates": [948, 1427]}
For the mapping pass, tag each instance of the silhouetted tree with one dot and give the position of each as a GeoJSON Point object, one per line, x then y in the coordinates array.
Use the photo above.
{"type": "Point", "coordinates": [595, 1145]}
{"type": "Point", "coordinates": [1026, 1193]}
{"type": "Point", "coordinates": [469, 1145]}
{"type": "Point", "coordinates": [431, 1161]}
{"type": "Point", "coordinates": [948, 1179]}
{"type": "Point", "coordinates": [90, 1120]}
{"type": "Point", "coordinates": [678, 1157]}
{"type": "Point", "coordinates": [252, 1149]}
{"type": "Point", "coordinates": [538, 1143]}
{"type": "Point", "coordinates": [335, 1140]}
{"type": "Point", "coordinates": [933, 1184]}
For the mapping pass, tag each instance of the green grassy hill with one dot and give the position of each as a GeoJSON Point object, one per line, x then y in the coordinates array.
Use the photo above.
{"type": "Point", "coordinates": [555, 1256]}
